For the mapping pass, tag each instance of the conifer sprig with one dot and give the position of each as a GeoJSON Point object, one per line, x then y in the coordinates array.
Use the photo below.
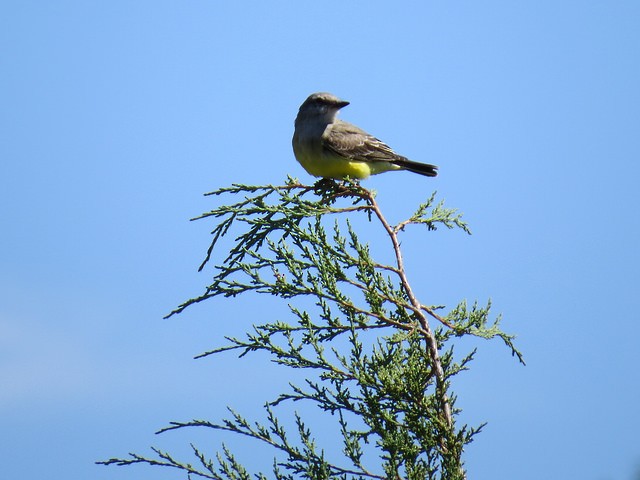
{"type": "Point", "coordinates": [375, 363]}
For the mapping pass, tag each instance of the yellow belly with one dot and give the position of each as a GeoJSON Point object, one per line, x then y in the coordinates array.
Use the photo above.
{"type": "Point", "coordinates": [337, 168]}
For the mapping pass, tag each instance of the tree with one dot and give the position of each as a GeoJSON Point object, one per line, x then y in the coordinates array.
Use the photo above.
{"type": "Point", "coordinates": [378, 360]}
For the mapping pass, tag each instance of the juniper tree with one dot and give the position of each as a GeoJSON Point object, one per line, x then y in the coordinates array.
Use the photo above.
{"type": "Point", "coordinates": [380, 360]}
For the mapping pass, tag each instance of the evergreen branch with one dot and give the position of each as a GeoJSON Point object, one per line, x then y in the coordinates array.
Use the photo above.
{"type": "Point", "coordinates": [365, 337]}
{"type": "Point", "coordinates": [426, 328]}
{"type": "Point", "coordinates": [299, 459]}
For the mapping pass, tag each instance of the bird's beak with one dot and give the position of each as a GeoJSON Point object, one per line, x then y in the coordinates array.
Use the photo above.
{"type": "Point", "coordinates": [342, 103]}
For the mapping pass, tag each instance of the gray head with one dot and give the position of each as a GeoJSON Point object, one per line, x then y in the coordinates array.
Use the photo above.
{"type": "Point", "coordinates": [321, 106]}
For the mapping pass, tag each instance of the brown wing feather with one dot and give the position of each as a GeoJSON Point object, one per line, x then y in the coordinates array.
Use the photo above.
{"type": "Point", "coordinates": [351, 142]}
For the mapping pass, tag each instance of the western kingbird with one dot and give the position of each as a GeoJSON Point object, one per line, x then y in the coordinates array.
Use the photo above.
{"type": "Point", "coordinates": [328, 147]}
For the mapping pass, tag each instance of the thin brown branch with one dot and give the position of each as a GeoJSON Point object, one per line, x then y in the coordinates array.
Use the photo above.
{"type": "Point", "coordinates": [440, 318]}
{"type": "Point", "coordinates": [401, 225]}
{"type": "Point", "coordinates": [430, 338]}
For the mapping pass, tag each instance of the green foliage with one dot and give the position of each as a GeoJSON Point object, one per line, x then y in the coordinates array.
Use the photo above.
{"type": "Point", "coordinates": [374, 362]}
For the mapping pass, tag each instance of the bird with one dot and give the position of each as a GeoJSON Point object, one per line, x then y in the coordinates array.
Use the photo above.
{"type": "Point", "coordinates": [328, 147]}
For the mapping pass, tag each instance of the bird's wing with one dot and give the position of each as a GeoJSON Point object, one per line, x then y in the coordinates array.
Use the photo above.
{"type": "Point", "coordinates": [351, 142]}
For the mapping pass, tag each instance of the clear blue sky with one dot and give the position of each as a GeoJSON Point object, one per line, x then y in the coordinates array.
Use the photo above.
{"type": "Point", "coordinates": [116, 116]}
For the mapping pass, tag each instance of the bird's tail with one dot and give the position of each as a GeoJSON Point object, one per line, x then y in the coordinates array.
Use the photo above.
{"type": "Point", "coordinates": [417, 167]}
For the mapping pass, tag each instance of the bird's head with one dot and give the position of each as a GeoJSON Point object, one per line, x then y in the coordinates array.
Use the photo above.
{"type": "Point", "coordinates": [322, 106]}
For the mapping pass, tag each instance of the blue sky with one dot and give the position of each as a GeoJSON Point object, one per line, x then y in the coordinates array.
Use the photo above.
{"type": "Point", "coordinates": [116, 117]}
